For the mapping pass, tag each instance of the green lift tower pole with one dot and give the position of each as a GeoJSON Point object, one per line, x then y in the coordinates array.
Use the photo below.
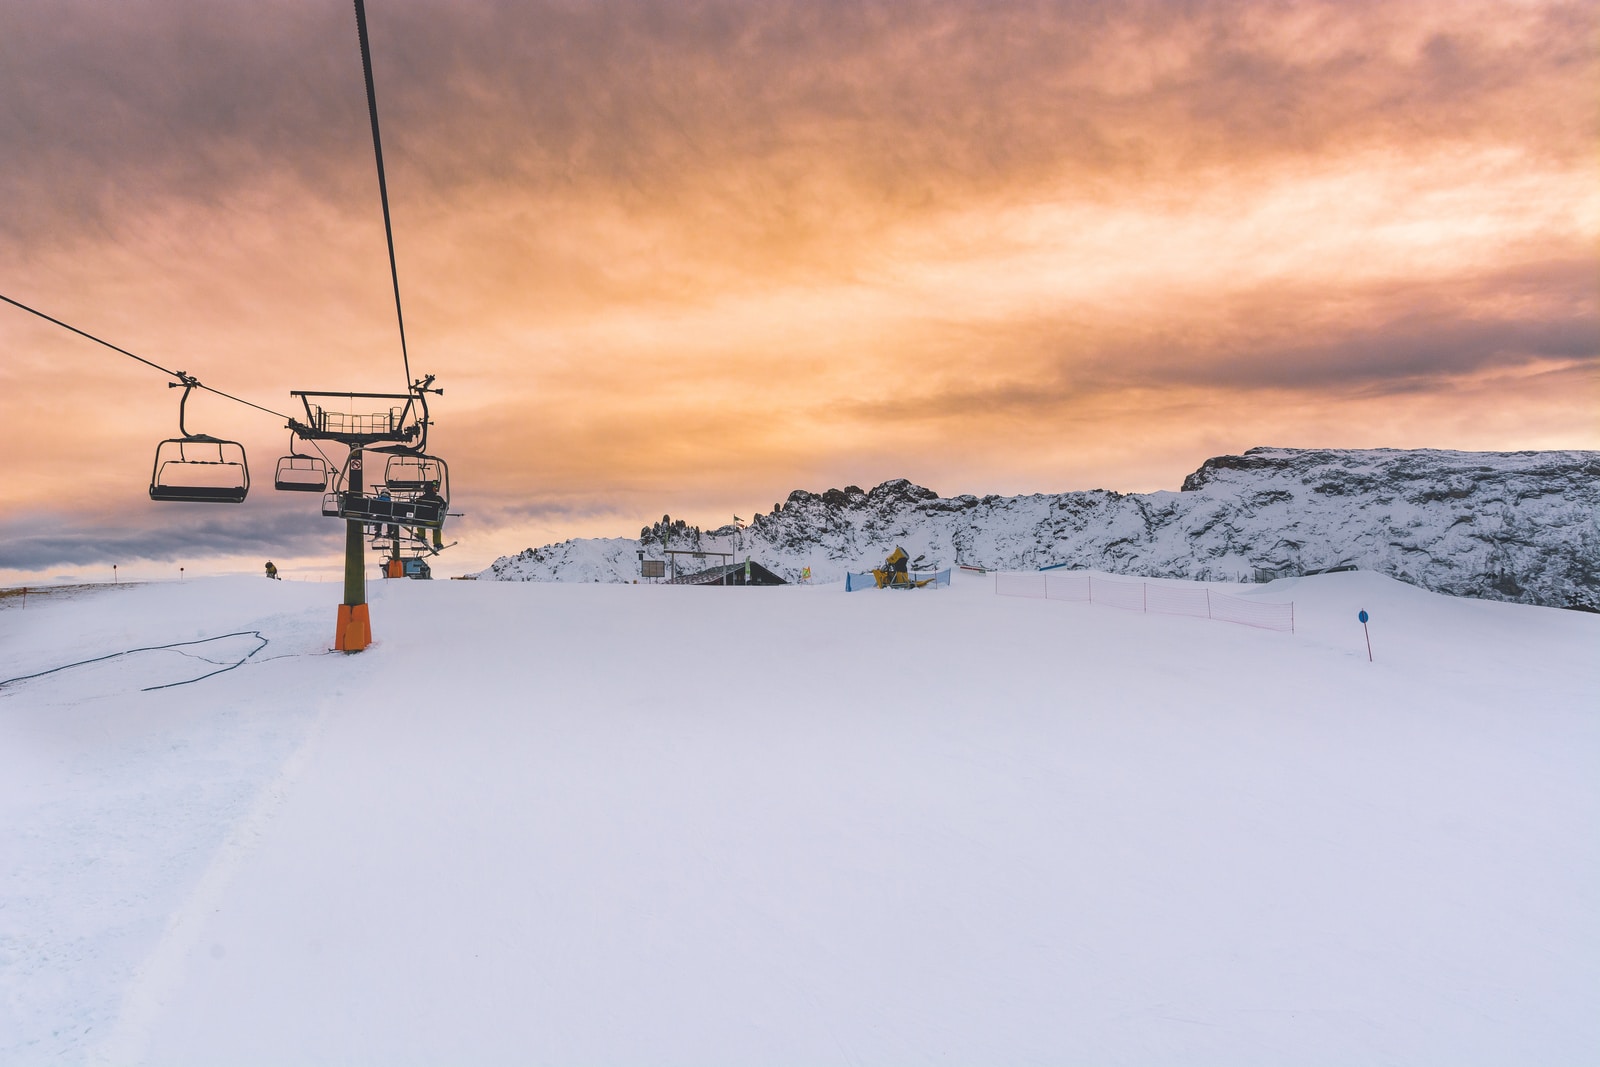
{"type": "Point", "coordinates": [354, 631]}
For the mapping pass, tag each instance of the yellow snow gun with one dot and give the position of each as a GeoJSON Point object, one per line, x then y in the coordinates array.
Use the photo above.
{"type": "Point", "coordinates": [896, 572]}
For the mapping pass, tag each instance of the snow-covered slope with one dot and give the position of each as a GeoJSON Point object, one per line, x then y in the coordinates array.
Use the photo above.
{"type": "Point", "coordinates": [1519, 526]}
{"type": "Point", "coordinates": [615, 824]}
{"type": "Point", "coordinates": [582, 559]}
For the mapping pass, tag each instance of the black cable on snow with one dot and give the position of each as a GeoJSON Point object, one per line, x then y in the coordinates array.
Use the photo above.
{"type": "Point", "coordinates": [383, 185]}
{"type": "Point", "coordinates": [158, 648]}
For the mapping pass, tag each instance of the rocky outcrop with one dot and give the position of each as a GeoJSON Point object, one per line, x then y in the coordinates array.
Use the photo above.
{"type": "Point", "coordinates": [1520, 526]}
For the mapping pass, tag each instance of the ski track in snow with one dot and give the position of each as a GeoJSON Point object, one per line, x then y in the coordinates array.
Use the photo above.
{"type": "Point", "coordinates": [121, 797]}
{"type": "Point", "coordinates": [152, 987]}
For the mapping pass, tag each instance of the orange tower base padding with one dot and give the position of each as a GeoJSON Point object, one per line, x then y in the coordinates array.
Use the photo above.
{"type": "Point", "coordinates": [354, 631]}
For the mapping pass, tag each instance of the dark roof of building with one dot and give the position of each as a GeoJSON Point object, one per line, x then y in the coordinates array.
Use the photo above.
{"type": "Point", "coordinates": [734, 573]}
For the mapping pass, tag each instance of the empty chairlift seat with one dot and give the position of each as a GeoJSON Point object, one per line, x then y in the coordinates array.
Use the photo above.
{"type": "Point", "coordinates": [200, 469]}
{"type": "Point", "coordinates": [415, 473]}
{"type": "Point", "coordinates": [196, 467]}
{"type": "Point", "coordinates": [299, 473]}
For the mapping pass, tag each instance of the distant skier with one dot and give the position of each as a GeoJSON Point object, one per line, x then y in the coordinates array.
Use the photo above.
{"type": "Point", "coordinates": [272, 571]}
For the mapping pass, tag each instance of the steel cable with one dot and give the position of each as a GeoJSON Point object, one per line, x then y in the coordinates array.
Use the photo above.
{"type": "Point", "coordinates": [383, 184]}
{"type": "Point", "coordinates": [180, 376]}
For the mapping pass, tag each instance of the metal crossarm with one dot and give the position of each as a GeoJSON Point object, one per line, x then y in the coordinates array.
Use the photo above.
{"type": "Point", "coordinates": [359, 426]}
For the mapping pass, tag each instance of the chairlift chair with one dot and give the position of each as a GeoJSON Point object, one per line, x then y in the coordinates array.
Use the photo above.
{"type": "Point", "coordinates": [414, 492]}
{"type": "Point", "coordinates": [396, 510]}
{"type": "Point", "coordinates": [300, 473]}
{"type": "Point", "coordinates": [201, 470]}
{"type": "Point", "coordinates": [424, 480]}
{"type": "Point", "coordinates": [413, 472]}
{"type": "Point", "coordinates": [198, 468]}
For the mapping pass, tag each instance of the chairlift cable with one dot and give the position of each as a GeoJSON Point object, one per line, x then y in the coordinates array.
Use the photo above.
{"type": "Point", "coordinates": [383, 185]}
{"type": "Point", "coordinates": [92, 337]}
{"type": "Point", "coordinates": [182, 378]}
{"type": "Point", "coordinates": [186, 380]}
{"type": "Point", "coordinates": [238, 400]}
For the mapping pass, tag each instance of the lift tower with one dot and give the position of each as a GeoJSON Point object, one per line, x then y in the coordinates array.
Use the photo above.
{"type": "Point", "coordinates": [392, 423]}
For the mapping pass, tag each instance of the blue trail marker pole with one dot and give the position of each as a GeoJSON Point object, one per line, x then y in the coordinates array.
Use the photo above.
{"type": "Point", "coordinates": [1363, 616]}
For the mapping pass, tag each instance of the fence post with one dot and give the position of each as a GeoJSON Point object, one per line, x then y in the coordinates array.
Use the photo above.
{"type": "Point", "coordinates": [1144, 597]}
{"type": "Point", "coordinates": [1208, 602]}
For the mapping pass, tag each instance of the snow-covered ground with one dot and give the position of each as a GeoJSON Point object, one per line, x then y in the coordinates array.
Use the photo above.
{"type": "Point", "coordinates": [585, 824]}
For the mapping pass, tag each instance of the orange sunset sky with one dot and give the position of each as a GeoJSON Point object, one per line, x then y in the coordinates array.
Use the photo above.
{"type": "Point", "coordinates": [685, 257]}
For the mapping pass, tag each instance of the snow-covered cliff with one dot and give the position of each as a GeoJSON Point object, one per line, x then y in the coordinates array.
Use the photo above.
{"type": "Point", "coordinates": [582, 559]}
{"type": "Point", "coordinates": [1521, 526]}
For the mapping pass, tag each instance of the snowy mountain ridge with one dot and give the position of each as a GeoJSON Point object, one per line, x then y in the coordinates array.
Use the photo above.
{"type": "Point", "coordinates": [1516, 526]}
